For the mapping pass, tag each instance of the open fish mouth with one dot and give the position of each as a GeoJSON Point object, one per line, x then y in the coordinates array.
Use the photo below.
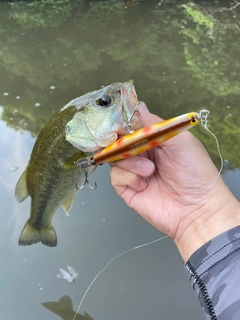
{"type": "Point", "coordinates": [102, 115]}
{"type": "Point", "coordinates": [129, 103]}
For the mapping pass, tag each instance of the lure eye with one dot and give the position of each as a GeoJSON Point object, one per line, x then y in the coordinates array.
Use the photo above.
{"type": "Point", "coordinates": [105, 101]}
{"type": "Point", "coordinates": [193, 119]}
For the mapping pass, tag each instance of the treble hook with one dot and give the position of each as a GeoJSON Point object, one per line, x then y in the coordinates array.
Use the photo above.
{"type": "Point", "coordinates": [128, 125]}
{"type": "Point", "coordinates": [86, 182]}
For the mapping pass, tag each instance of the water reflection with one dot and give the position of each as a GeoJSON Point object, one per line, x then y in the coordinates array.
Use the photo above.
{"type": "Point", "coordinates": [181, 58]}
{"type": "Point", "coordinates": [64, 309]}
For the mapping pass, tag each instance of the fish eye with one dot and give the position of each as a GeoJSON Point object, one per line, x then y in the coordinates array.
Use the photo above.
{"type": "Point", "coordinates": [105, 101]}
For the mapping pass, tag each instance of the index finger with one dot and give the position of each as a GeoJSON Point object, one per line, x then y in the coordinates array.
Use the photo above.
{"type": "Point", "coordinates": [138, 165]}
{"type": "Point", "coordinates": [148, 118]}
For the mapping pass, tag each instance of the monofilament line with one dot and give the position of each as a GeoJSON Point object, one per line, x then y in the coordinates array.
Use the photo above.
{"type": "Point", "coordinates": [204, 114]}
{"type": "Point", "coordinates": [101, 271]}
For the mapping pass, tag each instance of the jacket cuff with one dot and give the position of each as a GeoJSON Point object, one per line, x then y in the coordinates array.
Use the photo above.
{"type": "Point", "coordinates": [214, 271]}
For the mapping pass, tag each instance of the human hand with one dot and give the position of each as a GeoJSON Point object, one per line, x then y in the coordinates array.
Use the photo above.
{"type": "Point", "coordinates": [174, 187]}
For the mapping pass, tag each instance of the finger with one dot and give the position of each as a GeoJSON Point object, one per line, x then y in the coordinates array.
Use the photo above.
{"type": "Point", "coordinates": [138, 165]}
{"type": "Point", "coordinates": [148, 118]}
{"type": "Point", "coordinates": [122, 180]}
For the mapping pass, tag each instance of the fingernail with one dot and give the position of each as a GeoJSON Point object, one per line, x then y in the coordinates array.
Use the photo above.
{"type": "Point", "coordinates": [145, 167]}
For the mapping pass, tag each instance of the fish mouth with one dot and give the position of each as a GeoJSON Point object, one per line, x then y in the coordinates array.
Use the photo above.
{"type": "Point", "coordinates": [129, 103]}
{"type": "Point", "coordinates": [102, 125]}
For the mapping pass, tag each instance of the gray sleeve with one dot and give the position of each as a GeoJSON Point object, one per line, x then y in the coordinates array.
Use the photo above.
{"type": "Point", "coordinates": [214, 271]}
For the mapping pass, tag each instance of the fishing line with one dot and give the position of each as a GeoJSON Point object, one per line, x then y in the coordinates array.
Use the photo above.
{"type": "Point", "coordinates": [109, 262]}
{"type": "Point", "coordinates": [204, 114]}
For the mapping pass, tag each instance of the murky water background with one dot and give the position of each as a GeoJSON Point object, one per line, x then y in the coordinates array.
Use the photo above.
{"type": "Point", "coordinates": [182, 58]}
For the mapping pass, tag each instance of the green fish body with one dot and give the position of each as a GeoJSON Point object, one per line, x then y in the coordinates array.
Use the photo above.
{"type": "Point", "coordinates": [80, 129]}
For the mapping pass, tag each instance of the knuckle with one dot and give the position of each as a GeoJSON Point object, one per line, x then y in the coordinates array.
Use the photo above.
{"type": "Point", "coordinates": [131, 178]}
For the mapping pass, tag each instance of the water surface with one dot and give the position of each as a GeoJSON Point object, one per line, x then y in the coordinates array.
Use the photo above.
{"type": "Point", "coordinates": [182, 58]}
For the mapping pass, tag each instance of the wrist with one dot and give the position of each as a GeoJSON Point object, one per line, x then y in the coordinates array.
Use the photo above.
{"type": "Point", "coordinates": [221, 212]}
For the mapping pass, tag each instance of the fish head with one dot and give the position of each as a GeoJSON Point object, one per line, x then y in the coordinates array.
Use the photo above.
{"type": "Point", "coordinates": [99, 117]}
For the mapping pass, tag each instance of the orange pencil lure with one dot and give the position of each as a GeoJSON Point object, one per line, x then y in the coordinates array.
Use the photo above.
{"type": "Point", "coordinates": [146, 138]}
{"type": "Point", "coordinates": [143, 139]}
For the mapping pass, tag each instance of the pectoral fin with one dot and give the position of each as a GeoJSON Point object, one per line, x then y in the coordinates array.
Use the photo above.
{"type": "Point", "coordinates": [21, 192]}
{"type": "Point", "coordinates": [70, 163]}
{"type": "Point", "coordinates": [67, 205]}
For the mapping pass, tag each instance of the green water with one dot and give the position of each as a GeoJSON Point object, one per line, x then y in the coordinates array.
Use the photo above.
{"type": "Point", "coordinates": [182, 58]}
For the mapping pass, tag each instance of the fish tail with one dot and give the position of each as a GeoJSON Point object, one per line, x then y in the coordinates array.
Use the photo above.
{"type": "Point", "coordinates": [31, 235]}
{"type": "Point", "coordinates": [49, 237]}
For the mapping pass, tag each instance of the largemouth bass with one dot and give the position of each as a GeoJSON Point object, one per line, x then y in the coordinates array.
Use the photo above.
{"type": "Point", "coordinates": [81, 128]}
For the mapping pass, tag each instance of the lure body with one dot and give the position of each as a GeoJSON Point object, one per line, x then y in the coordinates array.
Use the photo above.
{"type": "Point", "coordinates": [146, 138]}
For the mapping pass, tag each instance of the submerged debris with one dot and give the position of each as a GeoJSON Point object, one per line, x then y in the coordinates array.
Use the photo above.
{"type": "Point", "coordinates": [69, 275]}
{"type": "Point", "coordinates": [12, 169]}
